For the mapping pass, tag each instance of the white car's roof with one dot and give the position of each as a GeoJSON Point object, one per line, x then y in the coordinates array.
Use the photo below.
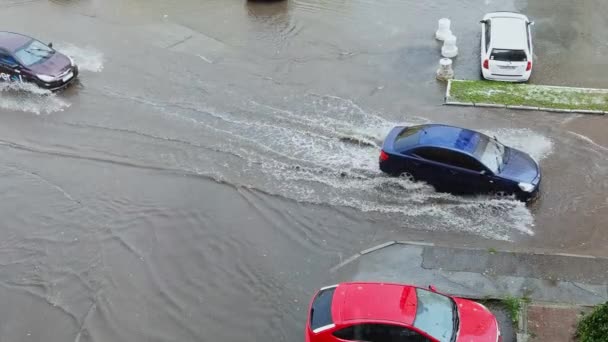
{"type": "Point", "coordinates": [509, 32]}
{"type": "Point", "coordinates": [505, 15]}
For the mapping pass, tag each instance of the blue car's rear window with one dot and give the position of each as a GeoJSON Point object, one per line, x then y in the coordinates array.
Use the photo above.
{"type": "Point", "coordinates": [407, 138]}
{"type": "Point", "coordinates": [320, 313]}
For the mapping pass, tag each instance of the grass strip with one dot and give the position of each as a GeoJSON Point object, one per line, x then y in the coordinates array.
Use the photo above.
{"type": "Point", "coordinates": [522, 94]}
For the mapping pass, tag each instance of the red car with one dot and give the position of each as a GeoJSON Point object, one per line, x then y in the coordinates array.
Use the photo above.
{"type": "Point", "coordinates": [382, 312]}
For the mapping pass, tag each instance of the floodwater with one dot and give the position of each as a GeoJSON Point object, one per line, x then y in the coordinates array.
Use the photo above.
{"type": "Point", "coordinates": [218, 157]}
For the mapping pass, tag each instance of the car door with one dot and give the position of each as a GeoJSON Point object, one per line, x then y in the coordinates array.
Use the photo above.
{"type": "Point", "coordinates": [470, 175]}
{"type": "Point", "coordinates": [379, 332]}
{"type": "Point", "coordinates": [454, 171]}
{"type": "Point", "coordinates": [8, 67]}
{"type": "Point", "coordinates": [432, 166]}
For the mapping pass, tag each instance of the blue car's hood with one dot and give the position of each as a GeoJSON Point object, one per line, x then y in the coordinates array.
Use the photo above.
{"type": "Point", "coordinates": [520, 167]}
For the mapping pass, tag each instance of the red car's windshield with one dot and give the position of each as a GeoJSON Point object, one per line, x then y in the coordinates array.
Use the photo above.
{"type": "Point", "coordinates": [436, 315]}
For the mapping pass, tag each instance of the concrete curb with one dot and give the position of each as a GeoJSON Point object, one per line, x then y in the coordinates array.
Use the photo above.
{"type": "Point", "coordinates": [378, 247]}
{"type": "Point", "coordinates": [490, 105]}
{"type": "Point", "coordinates": [430, 244]}
{"type": "Point", "coordinates": [522, 323]}
{"type": "Point", "coordinates": [555, 110]}
{"type": "Point", "coordinates": [363, 252]}
{"type": "Point", "coordinates": [449, 102]}
{"type": "Point", "coordinates": [455, 103]}
{"type": "Point", "coordinates": [447, 91]}
{"type": "Point", "coordinates": [522, 107]}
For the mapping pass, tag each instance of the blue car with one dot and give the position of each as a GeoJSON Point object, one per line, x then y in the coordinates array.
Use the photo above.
{"type": "Point", "coordinates": [459, 161]}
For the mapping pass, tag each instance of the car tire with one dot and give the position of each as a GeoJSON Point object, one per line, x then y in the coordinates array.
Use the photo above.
{"type": "Point", "coordinates": [408, 176]}
{"type": "Point", "coordinates": [501, 194]}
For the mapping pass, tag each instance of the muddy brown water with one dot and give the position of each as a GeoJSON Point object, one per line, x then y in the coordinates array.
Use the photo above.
{"type": "Point", "coordinates": [206, 173]}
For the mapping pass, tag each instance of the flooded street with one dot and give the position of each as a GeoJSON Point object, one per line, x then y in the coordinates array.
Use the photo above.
{"type": "Point", "coordinates": [217, 157]}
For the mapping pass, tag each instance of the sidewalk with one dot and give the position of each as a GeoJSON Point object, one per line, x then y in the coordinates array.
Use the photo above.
{"type": "Point", "coordinates": [553, 322]}
{"type": "Point", "coordinates": [559, 286]}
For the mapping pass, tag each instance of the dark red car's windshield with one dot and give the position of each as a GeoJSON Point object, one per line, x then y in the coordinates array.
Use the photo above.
{"type": "Point", "coordinates": [33, 52]}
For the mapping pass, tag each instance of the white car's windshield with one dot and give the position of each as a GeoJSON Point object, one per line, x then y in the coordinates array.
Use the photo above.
{"type": "Point", "coordinates": [33, 53]}
{"type": "Point", "coordinates": [436, 315]}
{"type": "Point", "coordinates": [491, 153]}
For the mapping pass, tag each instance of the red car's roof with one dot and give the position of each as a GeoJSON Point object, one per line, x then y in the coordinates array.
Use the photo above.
{"type": "Point", "coordinates": [374, 302]}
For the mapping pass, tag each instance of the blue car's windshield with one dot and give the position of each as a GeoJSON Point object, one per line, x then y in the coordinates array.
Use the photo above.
{"type": "Point", "coordinates": [436, 315]}
{"type": "Point", "coordinates": [491, 153]}
{"type": "Point", "coordinates": [33, 52]}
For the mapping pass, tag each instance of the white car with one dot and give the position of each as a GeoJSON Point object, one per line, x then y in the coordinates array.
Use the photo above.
{"type": "Point", "coordinates": [506, 47]}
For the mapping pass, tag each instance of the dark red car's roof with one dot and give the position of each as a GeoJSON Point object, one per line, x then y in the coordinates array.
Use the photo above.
{"type": "Point", "coordinates": [12, 41]}
{"type": "Point", "coordinates": [374, 302]}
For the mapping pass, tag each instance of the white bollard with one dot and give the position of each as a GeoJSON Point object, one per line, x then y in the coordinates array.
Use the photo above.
{"type": "Point", "coordinates": [445, 71]}
{"type": "Point", "coordinates": [443, 29]}
{"type": "Point", "coordinates": [449, 49]}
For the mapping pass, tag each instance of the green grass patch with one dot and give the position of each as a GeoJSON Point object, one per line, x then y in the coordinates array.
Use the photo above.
{"type": "Point", "coordinates": [594, 326]}
{"type": "Point", "coordinates": [513, 306]}
{"type": "Point", "coordinates": [521, 94]}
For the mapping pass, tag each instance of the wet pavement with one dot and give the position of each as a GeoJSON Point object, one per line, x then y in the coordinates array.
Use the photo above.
{"type": "Point", "coordinates": [205, 174]}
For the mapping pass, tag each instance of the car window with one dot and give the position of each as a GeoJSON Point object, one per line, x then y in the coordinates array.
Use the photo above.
{"type": "Point", "coordinates": [407, 138]}
{"type": "Point", "coordinates": [529, 37]}
{"type": "Point", "coordinates": [33, 52]}
{"type": "Point", "coordinates": [433, 154]}
{"type": "Point", "coordinates": [320, 312]}
{"type": "Point", "coordinates": [449, 157]}
{"type": "Point", "coordinates": [488, 33]}
{"type": "Point", "coordinates": [7, 60]}
{"type": "Point", "coordinates": [467, 162]}
{"type": "Point", "coordinates": [508, 55]}
{"type": "Point", "coordinates": [379, 333]}
{"type": "Point", "coordinates": [436, 315]}
{"type": "Point", "coordinates": [491, 153]}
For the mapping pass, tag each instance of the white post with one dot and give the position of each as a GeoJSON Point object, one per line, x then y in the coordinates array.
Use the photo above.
{"type": "Point", "coordinates": [443, 29]}
{"type": "Point", "coordinates": [445, 71]}
{"type": "Point", "coordinates": [449, 49]}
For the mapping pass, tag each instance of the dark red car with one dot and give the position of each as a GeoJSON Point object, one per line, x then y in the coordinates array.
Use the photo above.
{"type": "Point", "coordinates": [25, 59]}
{"type": "Point", "coordinates": [383, 312]}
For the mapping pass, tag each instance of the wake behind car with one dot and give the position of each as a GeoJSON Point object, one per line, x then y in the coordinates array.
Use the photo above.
{"type": "Point", "coordinates": [25, 59]}
{"type": "Point", "coordinates": [459, 160]}
{"type": "Point", "coordinates": [506, 47]}
{"type": "Point", "coordinates": [384, 312]}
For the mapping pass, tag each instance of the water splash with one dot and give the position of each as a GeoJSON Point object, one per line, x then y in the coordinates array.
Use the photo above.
{"type": "Point", "coordinates": [87, 58]}
{"type": "Point", "coordinates": [28, 97]}
{"type": "Point", "coordinates": [325, 151]}
{"type": "Point", "coordinates": [536, 145]}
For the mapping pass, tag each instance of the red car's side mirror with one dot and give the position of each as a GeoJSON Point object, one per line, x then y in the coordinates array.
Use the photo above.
{"type": "Point", "coordinates": [432, 288]}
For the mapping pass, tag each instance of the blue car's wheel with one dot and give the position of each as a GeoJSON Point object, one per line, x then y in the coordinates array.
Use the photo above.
{"type": "Point", "coordinates": [501, 194]}
{"type": "Point", "coordinates": [408, 176]}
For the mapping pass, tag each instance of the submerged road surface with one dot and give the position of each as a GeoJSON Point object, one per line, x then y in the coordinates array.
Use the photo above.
{"type": "Point", "coordinates": [217, 157]}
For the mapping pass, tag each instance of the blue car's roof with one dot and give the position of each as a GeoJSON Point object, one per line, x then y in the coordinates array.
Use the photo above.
{"type": "Point", "coordinates": [439, 136]}
{"type": "Point", "coordinates": [450, 137]}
